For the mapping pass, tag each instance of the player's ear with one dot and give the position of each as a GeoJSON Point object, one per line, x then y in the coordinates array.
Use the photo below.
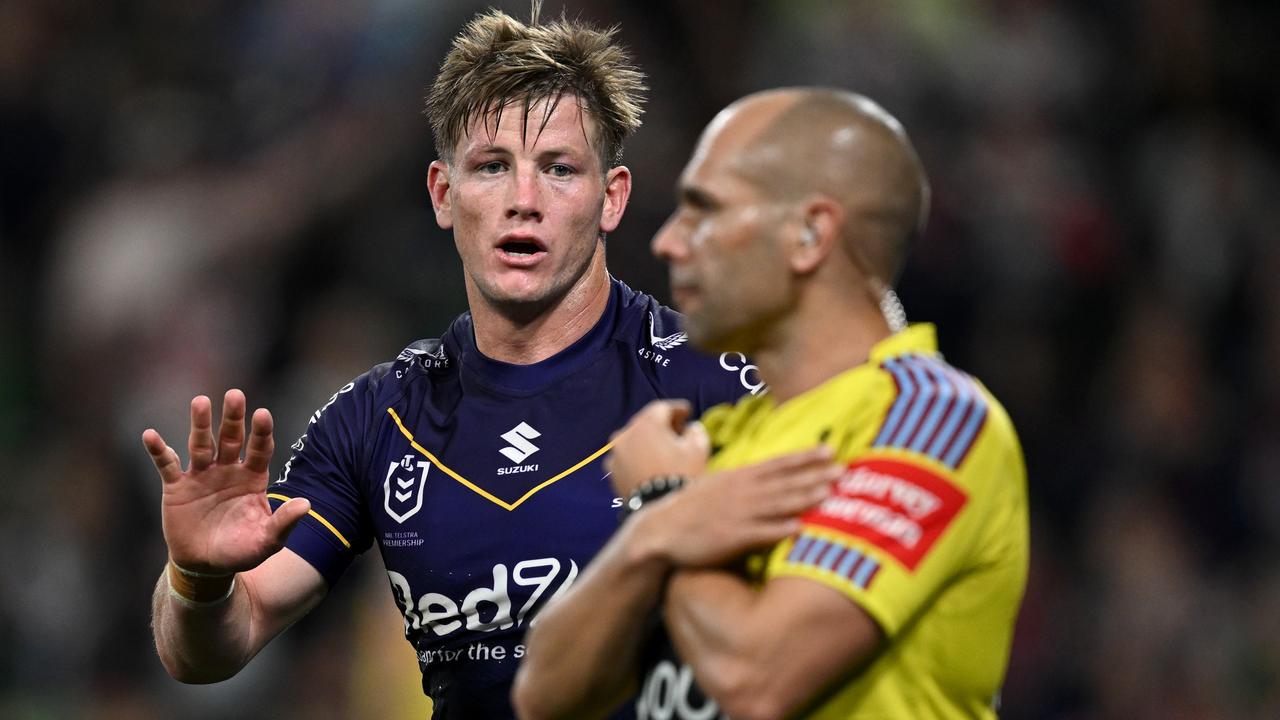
{"type": "Point", "coordinates": [817, 236]}
{"type": "Point", "coordinates": [617, 189]}
{"type": "Point", "coordinates": [438, 187]}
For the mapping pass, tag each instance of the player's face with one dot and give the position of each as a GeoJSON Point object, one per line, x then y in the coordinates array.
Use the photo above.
{"type": "Point", "coordinates": [528, 203]}
{"type": "Point", "coordinates": [729, 274]}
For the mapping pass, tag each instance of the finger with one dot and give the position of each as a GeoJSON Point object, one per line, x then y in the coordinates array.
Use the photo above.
{"type": "Point", "coordinates": [257, 457]}
{"type": "Point", "coordinates": [678, 412]}
{"type": "Point", "coordinates": [165, 458]}
{"type": "Point", "coordinates": [799, 492]}
{"type": "Point", "coordinates": [799, 501]}
{"type": "Point", "coordinates": [793, 462]}
{"type": "Point", "coordinates": [665, 413]}
{"type": "Point", "coordinates": [697, 436]}
{"type": "Point", "coordinates": [817, 475]}
{"type": "Point", "coordinates": [763, 533]}
{"type": "Point", "coordinates": [200, 442]}
{"type": "Point", "coordinates": [287, 516]}
{"type": "Point", "coordinates": [231, 428]}
{"type": "Point", "coordinates": [651, 423]}
{"type": "Point", "coordinates": [775, 530]}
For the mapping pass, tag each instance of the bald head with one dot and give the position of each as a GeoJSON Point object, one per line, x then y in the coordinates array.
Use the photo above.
{"type": "Point", "coordinates": [798, 142]}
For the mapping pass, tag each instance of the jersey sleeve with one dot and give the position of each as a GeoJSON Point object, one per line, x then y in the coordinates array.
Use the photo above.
{"type": "Point", "coordinates": [326, 468]}
{"type": "Point", "coordinates": [934, 489]}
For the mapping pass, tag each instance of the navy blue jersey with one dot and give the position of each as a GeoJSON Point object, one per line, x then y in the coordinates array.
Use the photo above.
{"type": "Point", "coordinates": [483, 482]}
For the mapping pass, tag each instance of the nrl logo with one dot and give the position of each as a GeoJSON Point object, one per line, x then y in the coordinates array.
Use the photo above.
{"type": "Point", "coordinates": [403, 474]}
{"type": "Point", "coordinates": [666, 343]}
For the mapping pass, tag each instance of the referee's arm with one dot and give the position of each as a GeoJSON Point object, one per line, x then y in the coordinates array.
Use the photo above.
{"type": "Point", "coordinates": [583, 652]}
{"type": "Point", "coordinates": [582, 656]}
{"type": "Point", "coordinates": [765, 652]}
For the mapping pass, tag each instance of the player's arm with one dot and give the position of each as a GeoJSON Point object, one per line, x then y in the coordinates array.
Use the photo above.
{"type": "Point", "coordinates": [209, 643]}
{"type": "Point", "coordinates": [765, 652]}
{"type": "Point", "coordinates": [227, 589]}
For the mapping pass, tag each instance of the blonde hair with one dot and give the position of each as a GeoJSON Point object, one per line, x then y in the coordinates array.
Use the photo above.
{"type": "Point", "coordinates": [498, 61]}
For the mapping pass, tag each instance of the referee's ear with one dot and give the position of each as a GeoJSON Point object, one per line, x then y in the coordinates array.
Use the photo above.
{"type": "Point", "coordinates": [438, 187]}
{"type": "Point", "coordinates": [816, 237]}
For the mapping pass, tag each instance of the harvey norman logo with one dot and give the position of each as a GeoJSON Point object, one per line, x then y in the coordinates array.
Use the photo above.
{"type": "Point", "coordinates": [898, 506]}
{"type": "Point", "coordinates": [519, 448]}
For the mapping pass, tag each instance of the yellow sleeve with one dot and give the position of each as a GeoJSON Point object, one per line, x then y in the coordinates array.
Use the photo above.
{"type": "Point", "coordinates": [910, 516]}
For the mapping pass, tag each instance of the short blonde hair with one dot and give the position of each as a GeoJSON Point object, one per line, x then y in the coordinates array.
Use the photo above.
{"type": "Point", "coordinates": [498, 61]}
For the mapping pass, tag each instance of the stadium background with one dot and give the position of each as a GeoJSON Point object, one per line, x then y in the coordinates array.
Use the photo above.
{"type": "Point", "coordinates": [203, 194]}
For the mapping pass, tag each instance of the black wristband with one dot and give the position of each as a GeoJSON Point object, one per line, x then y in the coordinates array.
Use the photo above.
{"type": "Point", "coordinates": [650, 490]}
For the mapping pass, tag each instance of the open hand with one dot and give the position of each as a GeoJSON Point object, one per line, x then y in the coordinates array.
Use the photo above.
{"type": "Point", "coordinates": [215, 514]}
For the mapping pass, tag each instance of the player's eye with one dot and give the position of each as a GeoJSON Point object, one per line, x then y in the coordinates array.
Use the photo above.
{"type": "Point", "coordinates": [560, 170]}
{"type": "Point", "coordinates": [492, 168]}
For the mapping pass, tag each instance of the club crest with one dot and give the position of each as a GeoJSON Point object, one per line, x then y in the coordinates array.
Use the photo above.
{"type": "Point", "coordinates": [402, 490]}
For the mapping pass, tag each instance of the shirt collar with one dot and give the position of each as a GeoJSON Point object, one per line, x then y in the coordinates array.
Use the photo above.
{"type": "Point", "coordinates": [920, 338]}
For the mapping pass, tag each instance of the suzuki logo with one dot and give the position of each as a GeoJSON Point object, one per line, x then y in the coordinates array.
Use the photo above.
{"type": "Point", "coordinates": [519, 437]}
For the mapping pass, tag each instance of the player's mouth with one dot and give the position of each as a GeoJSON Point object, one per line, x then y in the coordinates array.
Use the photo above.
{"type": "Point", "coordinates": [520, 251]}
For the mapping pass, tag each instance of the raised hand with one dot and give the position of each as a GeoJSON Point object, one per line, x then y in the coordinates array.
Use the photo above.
{"type": "Point", "coordinates": [215, 513]}
{"type": "Point", "coordinates": [717, 518]}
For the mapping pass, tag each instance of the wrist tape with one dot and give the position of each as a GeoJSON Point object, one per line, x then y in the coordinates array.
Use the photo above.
{"type": "Point", "coordinates": [197, 589]}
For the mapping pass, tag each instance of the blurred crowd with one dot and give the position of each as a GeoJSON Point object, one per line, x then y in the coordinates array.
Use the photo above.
{"type": "Point", "coordinates": [218, 193]}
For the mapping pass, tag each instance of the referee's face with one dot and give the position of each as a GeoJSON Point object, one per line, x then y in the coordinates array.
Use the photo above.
{"type": "Point", "coordinates": [528, 201]}
{"type": "Point", "coordinates": [725, 247]}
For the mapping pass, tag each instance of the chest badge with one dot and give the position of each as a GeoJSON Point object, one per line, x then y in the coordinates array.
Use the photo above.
{"type": "Point", "coordinates": [401, 499]}
{"type": "Point", "coordinates": [520, 448]}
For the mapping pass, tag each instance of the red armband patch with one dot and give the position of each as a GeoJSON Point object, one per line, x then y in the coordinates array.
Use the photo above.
{"type": "Point", "coordinates": [899, 507]}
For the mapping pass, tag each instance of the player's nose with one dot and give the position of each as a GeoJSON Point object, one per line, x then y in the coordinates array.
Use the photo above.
{"type": "Point", "coordinates": [524, 198]}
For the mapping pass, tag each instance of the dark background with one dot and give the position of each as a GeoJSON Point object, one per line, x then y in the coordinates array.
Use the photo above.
{"type": "Point", "coordinates": [204, 194]}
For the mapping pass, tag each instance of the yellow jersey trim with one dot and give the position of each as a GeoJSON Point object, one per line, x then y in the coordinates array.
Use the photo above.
{"type": "Point", "coordinates": [509, 506]}
{"type": "Point", "coordinates": [317, 516]}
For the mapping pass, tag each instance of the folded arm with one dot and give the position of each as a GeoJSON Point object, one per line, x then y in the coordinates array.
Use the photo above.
{"type": "Point", "coordinates": [583, 652]}
{"type": "Point", "coordinates": [765, 652]}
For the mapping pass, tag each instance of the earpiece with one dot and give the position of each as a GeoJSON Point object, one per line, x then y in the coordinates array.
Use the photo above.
{"type": "Point", "coordinates": [809, 238]}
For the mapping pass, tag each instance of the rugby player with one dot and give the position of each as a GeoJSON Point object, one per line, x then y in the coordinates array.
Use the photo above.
{"type": "Point", "coordinates": [886, 588]}
{"type": "Point", "coordinates": [473, 460]}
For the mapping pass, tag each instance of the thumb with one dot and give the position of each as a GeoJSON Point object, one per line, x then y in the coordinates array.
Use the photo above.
{"type": "Point", "coordinates": [678, 412]}
{"type": "Point", "coordinates": [697, 436]}
{"type": "Point", "coordinates": [286, 517]}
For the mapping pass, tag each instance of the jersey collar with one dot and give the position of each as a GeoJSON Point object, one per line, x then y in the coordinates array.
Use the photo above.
{"type": "Point", "coordinates": [920, 338]}
{"type": "Point", "coordinates": [527, 379]}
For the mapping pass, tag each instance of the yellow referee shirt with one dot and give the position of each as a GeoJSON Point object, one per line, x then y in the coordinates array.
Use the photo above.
{"type": "Point", "coordinates": [926, 531]}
